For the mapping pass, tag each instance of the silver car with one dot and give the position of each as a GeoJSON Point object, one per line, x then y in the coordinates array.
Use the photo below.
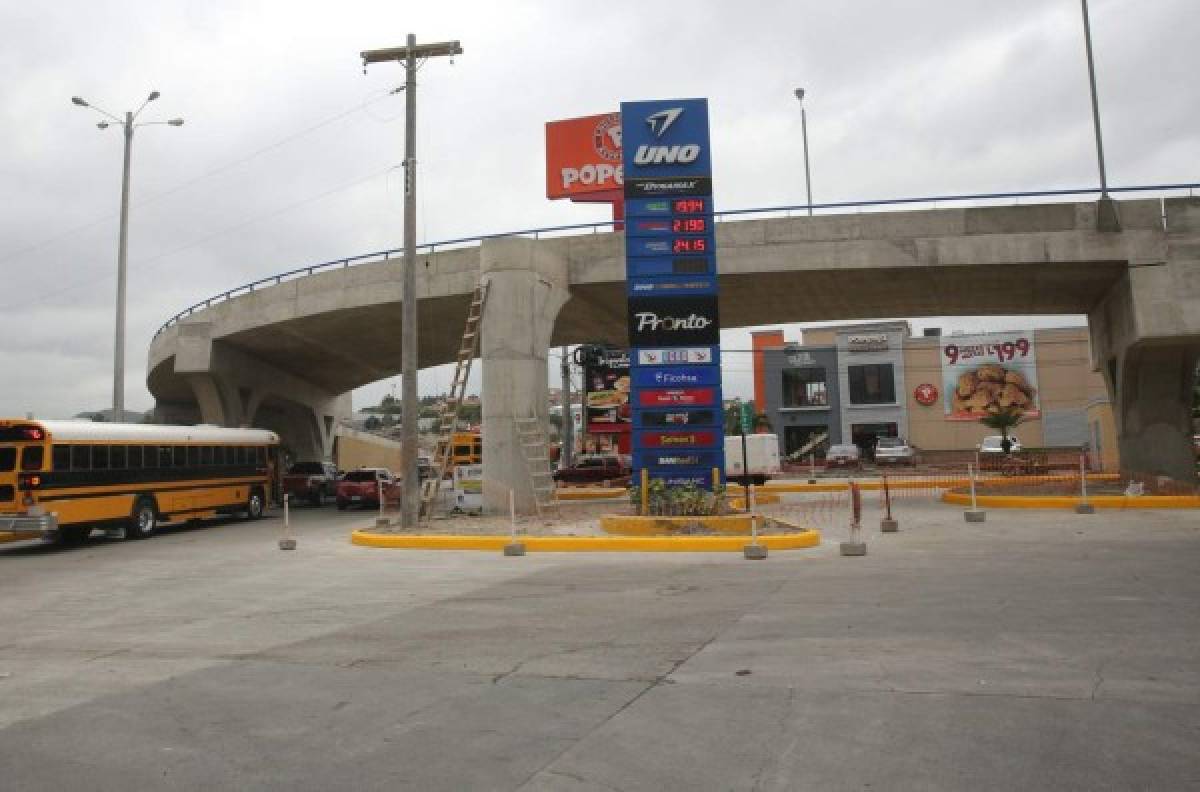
{"type": "Point", "coordinates": [844, 455]}
{"type": "Point", "coordinates": [894, 451]}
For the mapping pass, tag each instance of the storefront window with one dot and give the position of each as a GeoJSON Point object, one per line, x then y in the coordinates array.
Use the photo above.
{"type": "Point", "coordinates": [872, 384]}
{"type": "Point", "coordinates": [804, 387]}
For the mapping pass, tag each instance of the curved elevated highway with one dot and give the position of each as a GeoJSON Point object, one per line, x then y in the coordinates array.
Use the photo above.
{"type": "Point", "coordinates": [285, 355]}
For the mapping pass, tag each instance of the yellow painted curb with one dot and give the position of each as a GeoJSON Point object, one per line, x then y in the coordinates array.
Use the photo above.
{"type": "Point", "coordinates": [588, 544]}
{"type": "Point", "coordinates": [589, 493]}
{"type": "Point", "coordinates": [760, 499]}
{"type": "Point", "coordinates": [1070, 501]}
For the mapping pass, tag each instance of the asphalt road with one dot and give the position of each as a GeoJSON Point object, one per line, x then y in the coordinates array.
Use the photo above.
{"type": "Point", "coordinates": [1036, 651]}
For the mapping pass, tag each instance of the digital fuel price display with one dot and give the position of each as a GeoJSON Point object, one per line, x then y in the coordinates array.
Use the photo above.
{"type": "Point", "coordinates": [689, 245]}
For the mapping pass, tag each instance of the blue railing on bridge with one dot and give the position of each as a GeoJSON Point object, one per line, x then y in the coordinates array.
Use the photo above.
{"type": "Point", "coordinates": [432, 247]}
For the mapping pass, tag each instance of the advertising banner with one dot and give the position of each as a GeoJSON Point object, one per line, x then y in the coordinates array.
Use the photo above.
{"type": "Point", "coordinates": [990, 373]}
{"type": "Point", "coordinates": [607, 386]}
{"type": "Point", "coordinates": [583, 156]}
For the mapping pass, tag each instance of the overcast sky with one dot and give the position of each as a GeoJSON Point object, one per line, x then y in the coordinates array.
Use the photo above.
{"type": "Point", "coordinates": [288, 154]}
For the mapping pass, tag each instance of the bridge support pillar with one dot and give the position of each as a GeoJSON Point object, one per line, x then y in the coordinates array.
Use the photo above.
{"type": "Point", "coordinates": [527, 286]}
{"type": "Point", "coordinates": [1146, 341]}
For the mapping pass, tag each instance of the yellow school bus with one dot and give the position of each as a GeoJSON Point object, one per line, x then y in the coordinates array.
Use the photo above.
{"type": "Point", "coordinates": [61, 479]}
{"type": "Point", "coordinates": [466, 448]}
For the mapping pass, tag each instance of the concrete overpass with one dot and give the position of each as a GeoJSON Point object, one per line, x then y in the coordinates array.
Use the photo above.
{"type": "Point", "coordinates": [286, 354]}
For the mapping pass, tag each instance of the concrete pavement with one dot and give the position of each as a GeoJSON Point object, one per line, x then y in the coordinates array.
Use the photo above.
{"type": "Point", "coordinates": [1038, 650]}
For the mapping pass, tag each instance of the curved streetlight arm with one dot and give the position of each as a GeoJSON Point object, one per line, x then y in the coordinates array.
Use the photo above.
{"type": "Point", "coordinates": [175, 122]}
{"type": "Point", "coordinates": [84, 103]}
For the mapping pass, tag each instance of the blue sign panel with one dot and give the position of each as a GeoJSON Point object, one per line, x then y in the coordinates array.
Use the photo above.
{"type": "Point", "coordinates": [676, 376]}
{"type": "Point", "coordinates": [671, 287]}
{"type": "Point", "coordinates": [679, 265]}
{"type": "Point", "coordinates": [671, 277]}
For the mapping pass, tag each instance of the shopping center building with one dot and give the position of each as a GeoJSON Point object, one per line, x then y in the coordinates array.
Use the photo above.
{"type": "Point", "coordinates": [854, 383]}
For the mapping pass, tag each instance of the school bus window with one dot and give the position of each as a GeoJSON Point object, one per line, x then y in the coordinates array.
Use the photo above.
{"type": "Point", "coordinates": [260, 456]}
{"type": "Point", "coordinates": [8, 459]}
{"type": "Point", "coordinates": [241, 455]}
{"type": "Point", "coordinates": [180, 456]}
{"type": "Point", "coordinates": [81, 457]}
{"type": "Point", "coordinates": [193, 456]}
{"type": "Point", "coordinates": [99, 457]}
{"type": "Point", "coordinates": [117, 457]}
{"type": "Point", "coordinates": [62, 457]}
{"type": "Point", "coordinates": [206, 455]}
{"type": "Point", "coordinates": [133, 457]}
{"type": "Point", "coordinates": [31, 458]}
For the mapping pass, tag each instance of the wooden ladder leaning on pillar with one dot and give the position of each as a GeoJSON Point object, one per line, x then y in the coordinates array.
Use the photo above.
{"type": "Point", "coordinates": [531, 439]}
{"type": "Point", "coordinates": [448, 419]}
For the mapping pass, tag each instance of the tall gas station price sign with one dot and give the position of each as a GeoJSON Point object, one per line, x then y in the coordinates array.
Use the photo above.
{"type": "Point", "coordinates": [671, 281]}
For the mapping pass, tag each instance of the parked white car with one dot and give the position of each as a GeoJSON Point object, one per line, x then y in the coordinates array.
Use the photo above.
{"type": "Point", "coordinates": [894, 451]}
{"type": "Point", "coordinates": [994, 444]}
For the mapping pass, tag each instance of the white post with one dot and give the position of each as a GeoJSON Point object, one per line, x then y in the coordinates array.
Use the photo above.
{"type": "Point", "coordinates": [812, 468]}
{"type": "Point", "coordinates": [286, 542]}
{"type": "Point", "coordinates": [974, 514]}
{"type": "Point", "coordinates": [1083, 507]}
{"type": "Point", "coordinates": [514, 547]}
{"type": "Point", "coordinates": [379, 483]}
{"type": "Point", "coordinates": [971, 479]}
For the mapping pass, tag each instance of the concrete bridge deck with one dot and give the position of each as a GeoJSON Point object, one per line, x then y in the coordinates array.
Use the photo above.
{"type": "Point", "coordinates": [300, 346]}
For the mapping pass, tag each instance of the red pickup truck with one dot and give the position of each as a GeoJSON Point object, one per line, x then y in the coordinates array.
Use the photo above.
{"type": "Point", "coordinates": [311, 482]}
{"type": "Point", "coordinates": [364, 485]}
{"type": "Point", "coordinates": [611, 469]}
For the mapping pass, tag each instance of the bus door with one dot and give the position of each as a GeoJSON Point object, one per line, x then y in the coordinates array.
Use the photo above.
{"type": "Point", "coordinates": [22, 450]}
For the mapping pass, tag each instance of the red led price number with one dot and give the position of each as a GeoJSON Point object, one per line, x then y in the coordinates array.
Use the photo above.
{"type": "Point", "coordinates": [689, 225]}
{"type": "Point", "coordinates": [687, 205]}
{"type": "Point", "coordinates": [699, 245]}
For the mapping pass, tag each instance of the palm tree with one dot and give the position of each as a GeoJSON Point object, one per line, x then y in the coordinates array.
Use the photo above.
{"type": "Point", "coordinates": [1003, 421]}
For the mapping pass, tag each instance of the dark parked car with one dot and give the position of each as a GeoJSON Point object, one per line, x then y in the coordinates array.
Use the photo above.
{"type": "Point", "coordinates": [311, 482]}
{"type": "Point", "coordinates": [613, 469]}
{"type": "Point", "coordinates": [363, 486]}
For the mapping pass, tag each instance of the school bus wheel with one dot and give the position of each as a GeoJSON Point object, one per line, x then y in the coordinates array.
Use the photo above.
{"type": "Point", "coordinates": [144, 519]}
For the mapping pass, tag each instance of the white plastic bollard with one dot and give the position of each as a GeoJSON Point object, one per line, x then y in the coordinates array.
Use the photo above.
{"type": "Point", "coordinates": [1083, 507]}
{"type": "Point", "coordinates": [513, 548]}
{"type": "Point", "coordinates": [974, 514]}
{"type": "Point", "coordinates": [286, 542]}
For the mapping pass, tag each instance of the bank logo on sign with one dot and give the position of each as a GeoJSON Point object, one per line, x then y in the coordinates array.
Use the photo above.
{"type": "Point", "coordinates": [661, 121]}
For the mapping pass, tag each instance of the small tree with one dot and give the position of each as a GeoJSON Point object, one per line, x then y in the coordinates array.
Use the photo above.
{"type": "Point", "coordinates": [1003, 421]}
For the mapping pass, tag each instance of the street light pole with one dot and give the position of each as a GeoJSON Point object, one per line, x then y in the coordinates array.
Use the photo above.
{"type": "Point", "coordinates": [128, 124]}
{"type": "Point", "coordinates": [408, 319]}
{"type": "Point", "coordinates": [1087, 38]}
{"type": "Point", "coordinates": [804, 134]}
{"type": "Point", "coordinates": [122, 246]}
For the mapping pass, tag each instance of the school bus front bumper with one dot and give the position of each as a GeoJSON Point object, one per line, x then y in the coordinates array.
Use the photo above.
{"type": "Point", "coordinates": [44, 524]}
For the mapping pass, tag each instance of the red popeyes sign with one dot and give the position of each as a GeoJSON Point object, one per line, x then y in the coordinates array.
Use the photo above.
{"type": "Point", "coordinates": [583, 157]}
{"type": "Point", "coordinates": [683, 396]}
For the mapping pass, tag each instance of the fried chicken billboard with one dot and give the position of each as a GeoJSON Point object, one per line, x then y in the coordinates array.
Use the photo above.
{"type": "Point", "coordinates": [987, 374]}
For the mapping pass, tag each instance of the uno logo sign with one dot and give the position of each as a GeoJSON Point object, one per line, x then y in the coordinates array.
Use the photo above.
{"type": "Point", "coordinates": [667, 155]}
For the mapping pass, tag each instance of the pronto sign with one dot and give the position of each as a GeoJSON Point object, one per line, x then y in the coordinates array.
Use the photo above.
{"type": "Point", "coordinates": [583, 156]}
